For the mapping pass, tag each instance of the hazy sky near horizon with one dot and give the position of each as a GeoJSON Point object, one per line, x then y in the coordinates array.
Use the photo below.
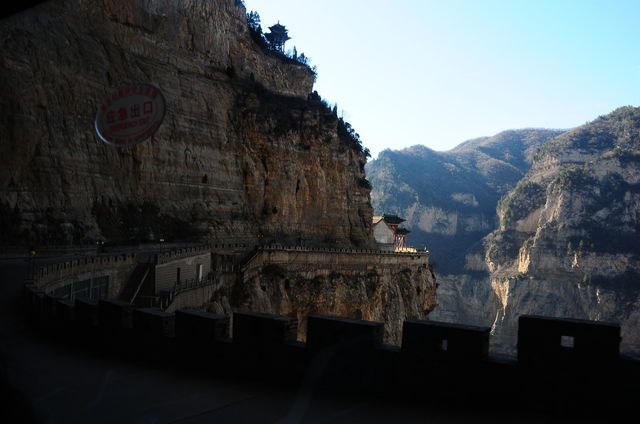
{"type": "Point", "coordinates": [438, 73]}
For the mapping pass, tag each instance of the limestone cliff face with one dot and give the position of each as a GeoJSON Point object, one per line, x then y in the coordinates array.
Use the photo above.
{"type": "Point", "coordinates": [449, 200]}
{"type": "Point", "coordinates": [565, 242]}
{"type": "Point", "coordinates": [244, 151]}
{"type": "Point", "coordinates": [568, 239]}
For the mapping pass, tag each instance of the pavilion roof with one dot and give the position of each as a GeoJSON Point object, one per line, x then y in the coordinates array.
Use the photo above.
{"type": "Point", "coordinates": [392, 219]}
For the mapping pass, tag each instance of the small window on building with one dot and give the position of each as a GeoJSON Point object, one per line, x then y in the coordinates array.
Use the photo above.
{"type": "Point", "coordinates": [199, 270]}
{"type": "Point", "coordinates": [178, 274]}
{"type": "Point", "coordinates": [567, 341]}
{"type": "Point", "coordinates": [444, 345]}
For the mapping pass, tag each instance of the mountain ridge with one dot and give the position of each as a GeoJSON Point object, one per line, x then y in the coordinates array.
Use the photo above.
{"type": "Point", "coordinates": [565, 237]}
{"type": "Point", "coordinates": [465, 179]}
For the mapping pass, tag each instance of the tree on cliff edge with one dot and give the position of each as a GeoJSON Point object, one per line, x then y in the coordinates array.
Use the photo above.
{"type": "Point", "coordinates": [253, 20]}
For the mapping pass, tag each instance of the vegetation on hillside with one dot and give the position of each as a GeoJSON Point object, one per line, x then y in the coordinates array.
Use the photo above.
{"type": "Point", "coordinates": [466, 181]}
{"type": "Point", "coordinates": [498, 172]}
{"type": "Point", "coordinates": [255, 30]}
{"type": "Point", "coordinates": [519, 203]}
{"type": "Point", "coordinates": [580, 173]}
{"type": "Point", "coordinates": [345, 131]}
{"type": "Point", "coordinates": [283, 114]}
{"type": "Point", "coordinates": [574, 179]}
{"type": "Point", "coordinates": [605, 225]}
{"type": "Point", "coordinates": [619, 129]}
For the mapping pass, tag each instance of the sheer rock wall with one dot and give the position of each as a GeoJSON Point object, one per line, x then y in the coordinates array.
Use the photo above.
{"type": "Point", "coordinates": [243, 153]}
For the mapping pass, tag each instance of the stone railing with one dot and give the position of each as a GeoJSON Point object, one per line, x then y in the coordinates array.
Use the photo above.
{"type": "Point", "coordinates": [187, 285]}
{"type": "Point", "coordinates": [238, 247]}
{"type": "Point", "coordinates": [180, 253]}
{"type": "Point", "coordinates": [297, 257]}
{"type": "Point", "coordinates": [55, 272]}
{"type": "Point", "coordinates": [279, 247]}
{"type": "Point", "coordinates": [163, 258]}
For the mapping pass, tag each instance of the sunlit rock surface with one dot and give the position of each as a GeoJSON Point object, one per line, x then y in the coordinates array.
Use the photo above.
{"type": "Point", "coordinates": [567, 243]}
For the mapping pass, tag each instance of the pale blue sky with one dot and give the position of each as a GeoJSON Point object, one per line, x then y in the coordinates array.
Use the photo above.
{"type": "Point", "coordinates": [438, 73]}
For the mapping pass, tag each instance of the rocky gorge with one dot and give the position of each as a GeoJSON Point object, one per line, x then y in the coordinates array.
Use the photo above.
{"type": "Point", "coordinates": [449, 198]}
{"type": "Point", "coordinates": [564, 241]}
{"type": "Point", "coordinates": [567, 243]}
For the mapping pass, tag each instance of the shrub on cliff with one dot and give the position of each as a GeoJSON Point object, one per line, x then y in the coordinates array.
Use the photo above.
{"type": "Point", "coordinates": [346, 133]}
{"type": "Point", "coordinates": [525, 198]}
{"type": "Point", "coordinates": [255, 30]}
{"type": "Point", "coordinates": [574, 179]}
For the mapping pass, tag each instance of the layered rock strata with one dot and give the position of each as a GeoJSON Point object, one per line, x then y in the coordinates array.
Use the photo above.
{"type": "Point", "coordinates": [243, 153]}
{"type": "Point", "coordinates": [568, 238]}
{"type": "Point", "coordinates": [367, 285]}
{"type": "Point", "coordinates": [565, 242]}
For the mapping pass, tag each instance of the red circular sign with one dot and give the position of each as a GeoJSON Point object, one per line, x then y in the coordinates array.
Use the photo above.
{"type": "Point", "coordinates": [130, 115]}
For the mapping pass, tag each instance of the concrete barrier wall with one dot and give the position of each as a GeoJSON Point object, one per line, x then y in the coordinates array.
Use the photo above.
{"type": "Point", "coordinates": [539, 337]}
{"type": "Point", "coordinates": [445, 340]}
{"type": "Point", "coordinates": [344, 357]}
{"type": "Point", "coordinates": [200, 327]}
{"type": "Point", "coordinates": [262, 330]}
{"type": "Point", "coordinates": [153, 322]}
{"type": "Point", "coordinates": [325, 331]}
{"type": "Point", "coordinates": [557, 340]}
{"type": "Point", "coordinates": [193, 298]}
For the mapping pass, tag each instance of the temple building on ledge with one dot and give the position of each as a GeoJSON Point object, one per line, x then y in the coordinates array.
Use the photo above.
{"type": "Point", "coordinates": [388, 235]}
{"type": "Point", "coordinates": [277, 37]}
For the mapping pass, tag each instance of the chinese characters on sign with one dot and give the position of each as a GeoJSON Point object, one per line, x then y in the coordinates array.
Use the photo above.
{"type": "Point", "coordinates": [123, 113]}
{"type": "Point", "coordinates": [130, 115]}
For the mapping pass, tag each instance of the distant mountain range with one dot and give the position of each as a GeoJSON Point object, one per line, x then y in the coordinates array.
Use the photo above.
{"type": "Point", "coordinates": [528, 221]}
{"type": "Point", "coordinates": [449, 198]}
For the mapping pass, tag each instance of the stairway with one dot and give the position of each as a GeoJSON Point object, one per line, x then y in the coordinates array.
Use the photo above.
{"type": "Point", "coordinates": [134, 284]}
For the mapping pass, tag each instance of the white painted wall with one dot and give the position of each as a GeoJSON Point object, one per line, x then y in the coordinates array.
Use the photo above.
{"type": "Point", "coordinates": [382, 233]}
